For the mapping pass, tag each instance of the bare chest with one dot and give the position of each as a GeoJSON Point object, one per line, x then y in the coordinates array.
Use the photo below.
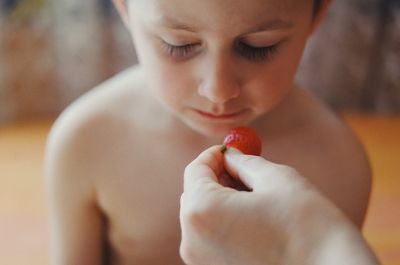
{"type": "Point", "coordinates": [140, 197]}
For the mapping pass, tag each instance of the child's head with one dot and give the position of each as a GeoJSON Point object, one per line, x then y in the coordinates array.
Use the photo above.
{"type": "Point", "coordinates": [217, 64]}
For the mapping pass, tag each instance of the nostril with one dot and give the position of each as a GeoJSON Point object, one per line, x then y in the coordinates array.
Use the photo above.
{"type": "Point", "coordinates": [219, 92]}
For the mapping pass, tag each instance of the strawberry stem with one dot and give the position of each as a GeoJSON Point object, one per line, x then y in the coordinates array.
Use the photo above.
{"type": "Point", "coordinates": [223, 148]}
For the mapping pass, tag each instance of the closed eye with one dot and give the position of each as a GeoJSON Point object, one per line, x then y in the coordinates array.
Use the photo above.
{"type": "Point", "coordinates": [256, 54]}
{"type": "Point", "coordinates": [179, 51]}
{"type": "Point", "coordinates": [251, 53]}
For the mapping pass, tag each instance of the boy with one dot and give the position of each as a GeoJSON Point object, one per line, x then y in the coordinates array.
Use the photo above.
{"type": "Point", "coordinates": [115, 158]}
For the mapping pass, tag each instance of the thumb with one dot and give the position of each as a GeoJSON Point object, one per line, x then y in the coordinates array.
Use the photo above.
{"type": "Point", "coordinates": [256, 172]}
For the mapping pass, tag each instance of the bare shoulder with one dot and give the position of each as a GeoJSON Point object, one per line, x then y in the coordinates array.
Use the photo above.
{"type": "Point", "coordinates": [76, 138]}
{"type": "Point", "coordinates": [331, 156]}
{"type": "Point", "coordinates": [76, 151]}
{"type": "Point", "coordinates": [108, 98]}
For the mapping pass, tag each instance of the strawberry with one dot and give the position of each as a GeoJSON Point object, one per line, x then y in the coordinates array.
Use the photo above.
{"type": "Point", "coordinates": [244, 139]}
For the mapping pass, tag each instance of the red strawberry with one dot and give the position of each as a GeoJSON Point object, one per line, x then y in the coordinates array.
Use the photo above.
{"type": "Point", "coordinates": [244, 139]}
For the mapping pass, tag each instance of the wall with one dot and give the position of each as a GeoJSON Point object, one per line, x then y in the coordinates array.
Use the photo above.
{"type": "Point", "coordinates": [53, 51]}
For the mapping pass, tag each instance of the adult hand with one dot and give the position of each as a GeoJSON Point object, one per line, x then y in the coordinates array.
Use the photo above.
{"type": "Point", "coordinates": [283, 219]}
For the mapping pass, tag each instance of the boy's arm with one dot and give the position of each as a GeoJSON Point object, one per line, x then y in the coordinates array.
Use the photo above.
{"type": "Point", "coordinates": [75, 221]}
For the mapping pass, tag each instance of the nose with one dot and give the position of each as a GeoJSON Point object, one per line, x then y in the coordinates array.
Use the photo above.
{"type": "Point", "coordinates": [220, 83]}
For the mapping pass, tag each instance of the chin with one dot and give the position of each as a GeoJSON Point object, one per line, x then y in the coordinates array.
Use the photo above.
{"type": "Point", "coordinates": [212, 130]}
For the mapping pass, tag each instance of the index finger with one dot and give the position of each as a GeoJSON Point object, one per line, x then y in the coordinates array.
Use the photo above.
{"type": "Point", "coordinates": [204, 170]}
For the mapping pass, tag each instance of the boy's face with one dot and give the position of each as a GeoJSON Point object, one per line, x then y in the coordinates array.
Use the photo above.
{"type": "Point", "coordinates": [220, 64]}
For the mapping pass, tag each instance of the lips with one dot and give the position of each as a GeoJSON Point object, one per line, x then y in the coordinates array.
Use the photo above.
{"type": "Point", "coordinates": [222, 116]}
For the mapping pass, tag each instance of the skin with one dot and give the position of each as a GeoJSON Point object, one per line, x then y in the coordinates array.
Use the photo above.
{"type": "Point", "coordinates": [283, 220]}
{"type": "Point", "coordinates": [113, 191]}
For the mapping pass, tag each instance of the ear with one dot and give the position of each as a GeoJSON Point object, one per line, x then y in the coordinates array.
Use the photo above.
{"type": "Point", "coordinates": [122, 7]}
{"type": "Point", "coordinates": [320, 16]}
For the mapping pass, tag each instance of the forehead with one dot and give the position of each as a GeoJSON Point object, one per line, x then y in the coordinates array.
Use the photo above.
{"type": "Point", "coordinates": [222, 15]}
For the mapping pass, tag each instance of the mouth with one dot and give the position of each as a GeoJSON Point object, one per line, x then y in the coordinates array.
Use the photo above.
{"type": "Point", "coordinates": [220, 117]}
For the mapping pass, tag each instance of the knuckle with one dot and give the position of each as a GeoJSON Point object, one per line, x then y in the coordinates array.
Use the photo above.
{"type": "Point", "coordinates": [187, 252]}
{"type": "Point", "coordinates": [187, 170]}
{"type": "Point", "coordinates": [288, 171]}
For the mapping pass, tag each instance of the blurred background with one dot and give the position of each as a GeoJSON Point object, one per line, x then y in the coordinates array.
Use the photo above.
{"type": "Point", "coordinates": [53, 51]}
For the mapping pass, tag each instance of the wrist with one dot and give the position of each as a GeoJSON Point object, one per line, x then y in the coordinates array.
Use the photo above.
{"type": "Point", "coordinates": [345, 243]}
{"type": "Point", "coordinates": [324, 236]}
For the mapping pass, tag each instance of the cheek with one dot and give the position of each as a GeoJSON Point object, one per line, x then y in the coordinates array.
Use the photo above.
{"type": "Point", "coordinates": [165, 85]}
{"type": "Point", "coordinates": [276, 80]}
{"type": "Point", "coordinates": [167, 82]}
{"type": "Point", "coordinates": [287, 65]}
{"type": "Point", "coordinates": [165, 79]}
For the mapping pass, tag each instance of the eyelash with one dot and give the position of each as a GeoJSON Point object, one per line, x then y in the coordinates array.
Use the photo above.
{"type": "Point", "coordinates": [255, 54]}
{"type": "Point", "coordinates": [179, 51]}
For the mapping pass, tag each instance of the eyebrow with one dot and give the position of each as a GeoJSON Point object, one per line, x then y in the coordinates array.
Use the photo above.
{"type": "Point", "coordinates": [274, 24]}
{"type": "Point", "coordinates": [175, 24]}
